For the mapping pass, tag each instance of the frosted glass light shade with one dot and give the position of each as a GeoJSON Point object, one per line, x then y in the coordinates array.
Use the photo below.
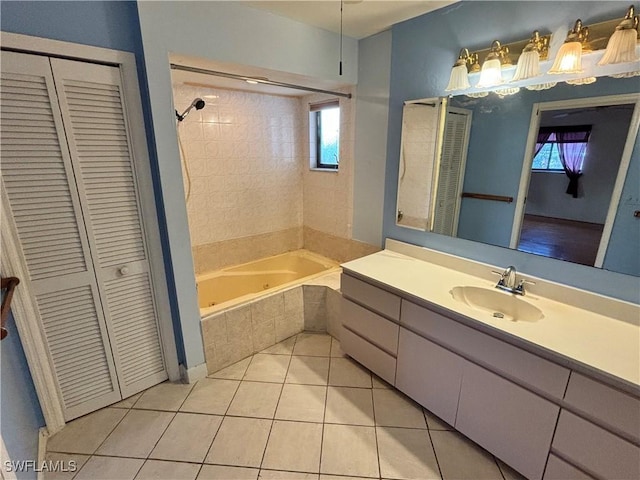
{"type": "Point", "coordinates": [621, 47]}
{"type": "Point", "coordinates": [491, 73]}
{"type": "Point", "coordinates": [541, 86]}
{"type": "Point", "coordinates": [459, 79]}
{"type": "Point", "coordinates": [582, 81]}
{"type": "Point", "coordinates": [477, 94]}
{"type": "Point", "coordinates": [568, 59]}
{"type": "Point", "coordinates": [528, 66]}
{"type": "Point", "coordinates": [505, 92]}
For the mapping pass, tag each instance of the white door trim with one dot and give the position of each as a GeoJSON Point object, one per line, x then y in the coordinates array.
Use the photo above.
{"type": "Point", "coordinates": [622, 170]}
{"type": "Point", "coordinates": [32, 337]}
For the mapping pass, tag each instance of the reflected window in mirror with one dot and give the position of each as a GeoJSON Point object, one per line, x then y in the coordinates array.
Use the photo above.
{"type": "Point", "coordinates": [550, 153]}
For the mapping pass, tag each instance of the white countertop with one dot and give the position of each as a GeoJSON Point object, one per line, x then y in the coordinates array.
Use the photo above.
{"type": "Point", "coordinates": [608, 345]}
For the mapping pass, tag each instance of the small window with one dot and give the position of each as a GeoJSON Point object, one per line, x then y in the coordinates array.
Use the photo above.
{"type": "Point", "coordinates": [324, 135]}
{"type": "Point", "coordinates": [548, 157]}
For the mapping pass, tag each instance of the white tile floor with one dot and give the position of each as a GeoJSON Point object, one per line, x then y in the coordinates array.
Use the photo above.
{"type": "Point", "coordinates": [297, 410]}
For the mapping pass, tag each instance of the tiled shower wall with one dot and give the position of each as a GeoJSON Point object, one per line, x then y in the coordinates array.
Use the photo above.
{"type": "Point", "coordinates": [245, 163]}
{"type": "Point", "coordinates": [253, 194]}
{"type": "Point", "coordinates": [328, 195]}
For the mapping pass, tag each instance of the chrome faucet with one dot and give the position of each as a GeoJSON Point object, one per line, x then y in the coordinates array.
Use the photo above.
{"type": "Point", "coordinates": [509, 283]}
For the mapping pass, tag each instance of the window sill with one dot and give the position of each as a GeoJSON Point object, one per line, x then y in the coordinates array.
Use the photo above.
{"type": "Point", "coordinates": [330, 170]}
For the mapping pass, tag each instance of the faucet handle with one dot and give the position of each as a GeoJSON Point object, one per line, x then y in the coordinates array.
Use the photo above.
{"type": "Point", "coordinates": [497, 273]}
{"type": "Point", "coordinates": [528, 282]}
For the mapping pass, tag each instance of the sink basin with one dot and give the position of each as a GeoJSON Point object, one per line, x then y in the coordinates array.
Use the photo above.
{"type": "Point", "coordinates": [498, 304]}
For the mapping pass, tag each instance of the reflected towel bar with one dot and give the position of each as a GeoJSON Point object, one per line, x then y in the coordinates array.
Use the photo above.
{"type": "Point", "coordinates": [484, 196]}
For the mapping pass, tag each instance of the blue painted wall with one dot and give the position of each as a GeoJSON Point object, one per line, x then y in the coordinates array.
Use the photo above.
{"type": "Point", "coordinates": [494, 165]}
{"type": "Point", "coordinates": [423, 51]}
{"type": "Point", "coordinates": [107, 24]}
{"type": "Point", "coordinates": [113, 25]}
{"type": "Point", "coordinates": [20, 413]}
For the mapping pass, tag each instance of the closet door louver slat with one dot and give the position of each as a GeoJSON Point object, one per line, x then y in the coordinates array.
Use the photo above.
{"type": "Point", "coordinates": [452, 162]}
{"type": "Point", "coordinates": [38, 178]}
{"type": "Point", "coordinates": [95, 121]}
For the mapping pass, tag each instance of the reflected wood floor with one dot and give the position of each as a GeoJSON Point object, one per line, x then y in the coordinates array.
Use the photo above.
{"type": "Point", "coordinates": [568, 240]}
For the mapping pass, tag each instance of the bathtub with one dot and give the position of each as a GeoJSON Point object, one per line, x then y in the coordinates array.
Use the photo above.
{"type": "Point", "coordinates": [234, 285]}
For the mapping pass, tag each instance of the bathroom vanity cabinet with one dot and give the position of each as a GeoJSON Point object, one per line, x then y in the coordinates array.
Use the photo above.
{"type": "Point", "coordinates": [541, 417]}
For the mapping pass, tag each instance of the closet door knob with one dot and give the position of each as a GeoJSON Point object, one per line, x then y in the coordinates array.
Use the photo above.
{"type": "Point", "coordinates": [123, 271]}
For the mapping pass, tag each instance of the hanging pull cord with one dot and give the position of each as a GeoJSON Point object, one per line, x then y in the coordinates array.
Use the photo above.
{"type": "Point", "coordinates": [341, 5]}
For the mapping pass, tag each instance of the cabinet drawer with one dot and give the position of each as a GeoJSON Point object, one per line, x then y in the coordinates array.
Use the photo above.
{"type": "Point", "coordinates": [497, 355]}
{"type": "Point", "coordinates": [595, 449]}
{"type": "Point", "coordinates": [378, 330]}
{"type": "Point", "coordinates": [558, 469]}
{"type": "Point", "coordinates": [429, 374]}
{"type": "Point", "coordinates": [373, 298]}
{"type": "Point", "coordinates": [614, 408]}
{"type": "Point", "coordinates": [509, 421]}
{"type": "Point", "coordinates": [376, 360]}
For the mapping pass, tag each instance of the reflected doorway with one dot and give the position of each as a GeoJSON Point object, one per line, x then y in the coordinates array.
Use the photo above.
{"type": "Point", "coordinates": [572, 177]}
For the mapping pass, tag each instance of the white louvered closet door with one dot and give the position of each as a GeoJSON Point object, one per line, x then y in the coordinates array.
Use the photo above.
{"type": "Point", "coordinates": [39, 181]}
{"type": "Point", "coordinates": [93, 113]}
{"type": "Point", "coordinates": [451, 174]}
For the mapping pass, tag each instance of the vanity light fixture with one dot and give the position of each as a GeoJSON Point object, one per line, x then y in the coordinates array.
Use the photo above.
{"type": "Point", "coordinates": [491, 74]}
{"type": "Point", "coordinates": [459, 79]}
{"type": "Point", "coordinates": [582, 81]}
{"type": "Point", "coordinates": [621, 47]}
{"type": "Point", "coordinates": [541, 86]}
{"type": "Point", "coordinates": [505, 92]}
{"type": "Point", "coordinates": [477, 94]}
{"type": "Point", "coordinates": [529, 61]}
{"type": "Point", "coordinates": [569, 57]}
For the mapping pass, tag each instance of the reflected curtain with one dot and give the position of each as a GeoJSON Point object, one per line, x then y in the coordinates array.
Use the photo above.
{"type": "Point", "coordinates": [543, 137]}
{"type": "Point", "coordinates": [572, 145]}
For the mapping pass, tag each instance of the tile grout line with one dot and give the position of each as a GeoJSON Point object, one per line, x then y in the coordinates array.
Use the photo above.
{"type": "Point", "coordinates": [324, 414]}
{"type": "Point", "coordinates": [273, 421]}
{"type": "Point", "coordinates": [213, 439]}
{"type": "Point", "coordinates": [375, 431]}
{"type": "Point", "coordinates": [433, 447]}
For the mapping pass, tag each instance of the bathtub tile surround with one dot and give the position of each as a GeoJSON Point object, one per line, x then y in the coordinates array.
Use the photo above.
{"type": "Point", "coordinates": [315, 309]}
{"type": "Point", "coordinates": [335, 247]}
{"type": "Point", "coordinates": [216, 255]}
{"type": "Point", "coordinates": [265, 428]}
{"type": "Point", "coordinates": [271, 319]}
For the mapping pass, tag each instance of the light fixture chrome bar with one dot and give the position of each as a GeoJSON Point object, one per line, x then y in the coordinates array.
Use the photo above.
{"type": "Point", "coordinates": [262, 80]}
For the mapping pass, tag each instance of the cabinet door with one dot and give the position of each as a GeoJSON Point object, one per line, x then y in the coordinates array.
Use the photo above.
{"type": "Point", "coordinates": [512, 423]}
{"type": "Point", "coordinates": [94, 117]}
{"type": "Point", "coordinates": [558, 469]}
{"type": "Point", "coordinates": [595, 449]}
{"type": "Point", "coordinates": [39, 181]}
{"type": "Point", "coordinates": [429, 374]}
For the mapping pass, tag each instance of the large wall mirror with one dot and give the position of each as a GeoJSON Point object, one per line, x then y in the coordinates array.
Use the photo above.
{"type": "Point", "coordinates": [551, 173]}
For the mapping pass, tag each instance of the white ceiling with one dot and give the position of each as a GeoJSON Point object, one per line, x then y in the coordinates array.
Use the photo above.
{"type": "Point", "coordinates": [361, 18]}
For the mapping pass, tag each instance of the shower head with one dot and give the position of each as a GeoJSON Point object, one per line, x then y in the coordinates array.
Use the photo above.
{"type": "Point", "coordinates": [197, 103]}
